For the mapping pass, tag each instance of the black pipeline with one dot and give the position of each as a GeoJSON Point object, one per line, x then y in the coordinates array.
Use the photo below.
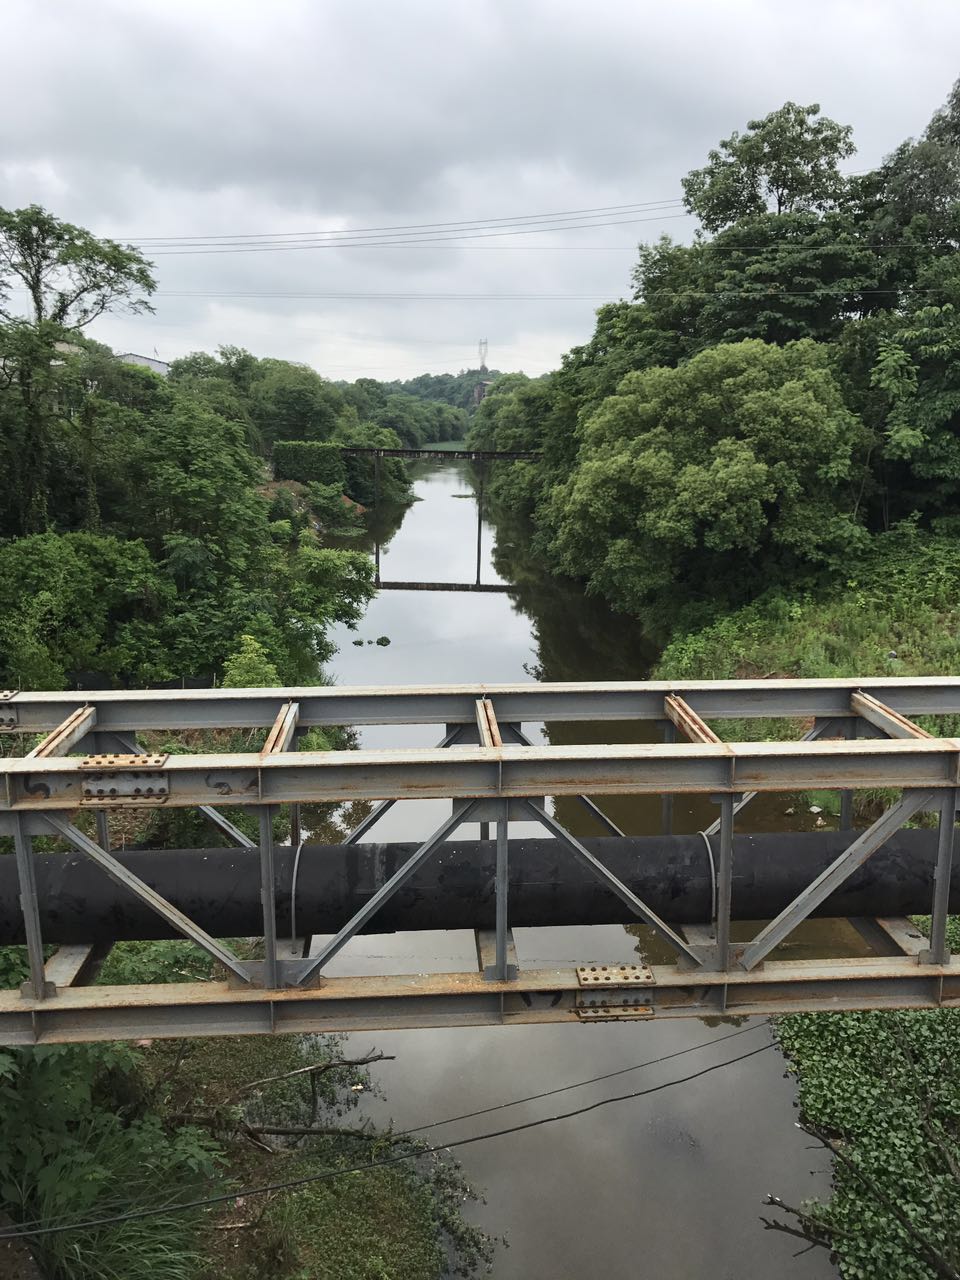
{"type": "Point", "coordinates": [220, 888]}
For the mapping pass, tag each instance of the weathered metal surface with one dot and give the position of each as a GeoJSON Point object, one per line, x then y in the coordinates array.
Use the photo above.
{"type": "Point", "coordinates": [284, 727]}
{"type": "Point", "coordinates": [66, 736]}
{"type": "Point", "coordinates": [463, 999]}
{"type": "Point", "coordinates": [74, 964]}
{"type": "Point", "coordinates": [683, 716]}
{"type": "Point", "coordinates": [878, 746]}
{"type": "Point", "coordinates": [437, 704]}
{"type": "Point", "coordinates": [884, 718]}
{"type": "Point", "coordinates": [614, 1011]}
{"type": "Point", "coordinates": [614, 975]}
{"type": "Point", "coordinates": [247, 778]}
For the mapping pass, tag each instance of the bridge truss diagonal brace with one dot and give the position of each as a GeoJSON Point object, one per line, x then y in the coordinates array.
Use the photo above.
{"type": "Point", "coordinates": [854, 856]}
{"type": "Point", "coordinates": [517, 734]}
{"type": "Point", "coordinates": [120, 875]}
{"type": "Point", "coordinates": [376, 813]}
{"type": "Point", "coordinates": [646, 914]}
{"type": "Point", "coordinates": [818, 731]}
{"type": "Point", "coordinates": [384, 893]}
{"type": "Point", "coordinates": [214, 816]}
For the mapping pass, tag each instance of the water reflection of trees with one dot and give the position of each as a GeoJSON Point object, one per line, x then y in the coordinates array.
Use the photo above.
{"type": "Point", "coordinates": [576, 636]}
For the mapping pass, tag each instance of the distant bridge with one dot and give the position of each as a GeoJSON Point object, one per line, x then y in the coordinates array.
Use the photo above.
{"type": "Point", "coordinates": [688, 890]}
{"type": "Point", "coordinates": [482, 456]}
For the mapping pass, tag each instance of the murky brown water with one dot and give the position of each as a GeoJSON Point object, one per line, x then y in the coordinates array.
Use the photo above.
{"type": "Point", "coordinates": [667, 1187]}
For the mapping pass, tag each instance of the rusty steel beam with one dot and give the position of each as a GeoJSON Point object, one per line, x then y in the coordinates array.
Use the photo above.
{"type": "Point", "coordinates": [539, 996]}
{"type": "Point", "coordinates": [683, 716]}
{"type": "Point", "coordinates": [884, 718]}
{"type": "Point", "coordinates": [247, 778]}
{"type": "Point", "coordinates": [35, 712]}
{"type": "Point", "coordinates": [66, 735]}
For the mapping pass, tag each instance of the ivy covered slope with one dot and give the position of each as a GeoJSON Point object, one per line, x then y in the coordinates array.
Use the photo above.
{"type": "Point", "coordinates": [758, 457]}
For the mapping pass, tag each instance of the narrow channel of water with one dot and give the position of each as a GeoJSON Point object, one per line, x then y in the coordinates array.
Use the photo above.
{"type": "Point", "coordinates": [668, 1187]}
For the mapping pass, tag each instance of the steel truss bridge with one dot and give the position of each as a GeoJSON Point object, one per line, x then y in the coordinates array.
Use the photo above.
{"type": "Point", "coordinates": [859, 736]}
{"type": "Point", "coordinates": [481, 457]}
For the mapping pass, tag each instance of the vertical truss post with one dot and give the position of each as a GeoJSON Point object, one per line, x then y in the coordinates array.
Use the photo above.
{"type": "Point", "coordinates": [103, 824]}
{"type": "Point", "coordinates": [479, 520]}
{"type": "Point", "coordinates": [724, 882]}
{"type": "Point", "coordinates": [846, 797]}
{"type": "Point", "coordinates": [938, 952]}
{"type": "Point", "coordinates": [666, 801]}
{"type": "Point", "coordinates": [501, 970]}
{"type": "Point", "coordinates": [37, 987]}
{"type": "Point", "coordinates": [385, 892]}
{"type": "Point", "coordinates": [271, 967]}
{"type": "Point", "coordinates": [376, 508]}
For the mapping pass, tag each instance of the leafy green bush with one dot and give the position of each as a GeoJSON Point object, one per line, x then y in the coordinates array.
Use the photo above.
{"type": "Point", "coordinates": [309, 460]}
{"type": "Point", "coordinates": [77, 1144]}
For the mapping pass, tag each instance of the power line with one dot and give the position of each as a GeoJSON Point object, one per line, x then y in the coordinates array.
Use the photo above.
{"type": "Point", "coordinates": [329, 1174]}
{"type": "Point", "coordinates": [355, 243]}
{"type": "Point", "coordinates": [415, 226]}
{"type": "Point", "coordinates": [549, 1093]}
{"type": "Point", "coordinates": [582, 1084]}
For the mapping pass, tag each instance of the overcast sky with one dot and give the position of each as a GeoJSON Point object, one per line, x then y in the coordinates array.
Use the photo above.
{"type": "Point", "coordinates": [166, 118]}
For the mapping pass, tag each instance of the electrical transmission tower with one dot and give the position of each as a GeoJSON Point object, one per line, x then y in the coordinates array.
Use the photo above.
{"type": "Point", "coordinates": [483, 355]}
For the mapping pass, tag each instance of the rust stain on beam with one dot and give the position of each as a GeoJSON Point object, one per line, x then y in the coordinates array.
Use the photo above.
{"type": "Point", "coordinates": [284, 727]}
{"type": "Point", "coordinates": [687, 721]}
{"type": "Point", "coordinates": [885, 718]}
{"type": "Point", "coordinates": [487, 725]}
{"type": "Point", "coordinates": [66, 735]}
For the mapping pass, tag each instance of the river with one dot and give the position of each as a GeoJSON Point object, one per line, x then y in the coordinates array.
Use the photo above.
{"type": "Point", "coordinates": [667, 1187]}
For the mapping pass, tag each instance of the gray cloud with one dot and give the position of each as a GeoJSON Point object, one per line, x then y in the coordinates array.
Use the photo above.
{"type": "Point", "coordinates": [171, 118]}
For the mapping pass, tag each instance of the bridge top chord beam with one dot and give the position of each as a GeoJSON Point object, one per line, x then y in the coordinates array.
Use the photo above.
{"type": "Point", "coordinates": [469, 455]}
{"type": "Point", "coordinates": [129, 710]}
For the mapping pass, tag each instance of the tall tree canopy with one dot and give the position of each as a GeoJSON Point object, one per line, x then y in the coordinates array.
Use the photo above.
{"type": "Point", "coordinates": [789, 160]}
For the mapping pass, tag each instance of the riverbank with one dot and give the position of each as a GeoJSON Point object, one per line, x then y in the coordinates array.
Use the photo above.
{"type": "Point", "coordinates": [881, 1087]}
{"type": "Point", "coordinates": [138, 1129]}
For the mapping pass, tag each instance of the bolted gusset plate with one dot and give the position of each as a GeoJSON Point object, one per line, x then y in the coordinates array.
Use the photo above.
{"type": "Point", "coordinates": [613, 1011]}
{"type": "Point", "coordinates": [118, 761]}
{"type": "Point", "coordinates": [125, 787]}
{"type": "Point", "coordinates": [8, 721]}
{"type": "Point", "coordinates": [614, 975]}
{"type": "Point", "coordinates": [111, 803]}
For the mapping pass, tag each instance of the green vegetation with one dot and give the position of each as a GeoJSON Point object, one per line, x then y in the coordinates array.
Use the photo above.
{"type": "Point", "coordinates": [145, 538]}
{"type": "Point", "coordinates": [758, 457]}
{"type": "Point", "coordinates": [884, 1088]}
{"type": "Point", "coordinates": [777, 395]}
{"type": "Point", "coordinates": [94, 1130]}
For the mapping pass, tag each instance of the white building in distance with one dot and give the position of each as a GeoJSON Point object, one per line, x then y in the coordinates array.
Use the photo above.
{"type": "Point", "coordinates": [145, 362]}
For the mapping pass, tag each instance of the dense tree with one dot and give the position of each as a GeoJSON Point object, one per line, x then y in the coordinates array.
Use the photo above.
{"type": "Point", "coordinates": [70, 278]}
{"type": "Point", "coordinates": [740, 466]}
{"type": "Point", "coordinates": [789, 160]}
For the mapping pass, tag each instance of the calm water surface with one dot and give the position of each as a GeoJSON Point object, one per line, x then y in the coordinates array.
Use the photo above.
{"type": "Point", "coordinates": [667, 1187]}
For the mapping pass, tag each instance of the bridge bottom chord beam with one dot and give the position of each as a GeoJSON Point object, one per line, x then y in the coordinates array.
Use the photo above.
{"type": "Point", "coordinates": [382, 1003]}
